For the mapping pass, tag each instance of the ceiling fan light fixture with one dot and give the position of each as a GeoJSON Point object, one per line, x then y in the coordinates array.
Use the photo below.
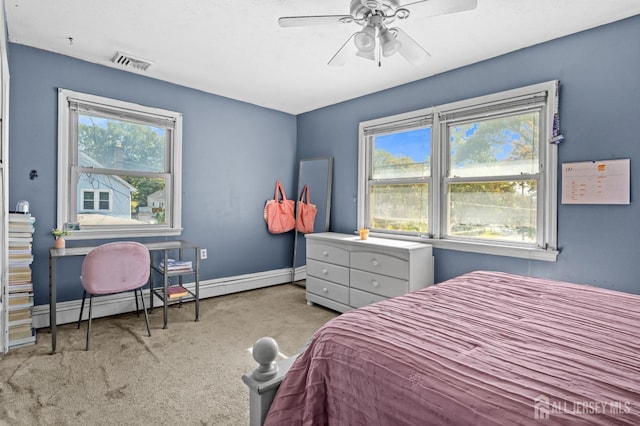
{"type": "Point", "coordinates": [365, 40]}
{"type": "Point", "coordinates": [389, 43]}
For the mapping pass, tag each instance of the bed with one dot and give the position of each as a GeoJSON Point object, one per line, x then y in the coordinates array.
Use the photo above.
{"type": "Point", "coordinates": [485, 348]}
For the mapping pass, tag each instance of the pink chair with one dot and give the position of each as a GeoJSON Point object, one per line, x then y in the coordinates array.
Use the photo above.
{"type": "Point", "coordinates": [115, 268]}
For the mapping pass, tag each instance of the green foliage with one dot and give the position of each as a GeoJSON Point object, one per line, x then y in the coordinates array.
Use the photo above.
{"type": "Point", "coordinates": [60, 232]}
{"type": "Point", "coordinates": [121, 145]}
{"type": "Point", "coordinates": [141, 144]}
{"type": "Point", "coordinates": [484, 141]}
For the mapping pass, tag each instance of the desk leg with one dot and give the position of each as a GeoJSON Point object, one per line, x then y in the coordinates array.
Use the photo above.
{"type": "Point", "coordinates": [52, 303]}
{"type": "Point", "coordinates": [151, 285]}
{"type": "Point", "coordinates": [197, 284]}
{"type": "Point", "coordinates": [165, 278]}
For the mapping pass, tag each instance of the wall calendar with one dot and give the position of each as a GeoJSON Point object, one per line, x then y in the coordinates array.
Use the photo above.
{"type": "Point", "coordinates": [596, 182]}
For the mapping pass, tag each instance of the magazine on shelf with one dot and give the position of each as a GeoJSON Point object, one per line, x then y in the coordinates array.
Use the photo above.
{"type": "Point", "coordinates": [177, 265]}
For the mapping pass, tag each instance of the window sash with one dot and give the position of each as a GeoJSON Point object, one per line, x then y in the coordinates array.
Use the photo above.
{"type": "Point", "coordinates": [492, 111]}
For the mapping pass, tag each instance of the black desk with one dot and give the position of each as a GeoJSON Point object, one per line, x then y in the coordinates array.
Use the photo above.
{"type": "Point", "coordinates": [166, 246]}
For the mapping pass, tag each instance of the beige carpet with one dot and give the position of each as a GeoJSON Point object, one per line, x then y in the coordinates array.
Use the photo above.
{"type": "Point", "coordinates": [187, 374]}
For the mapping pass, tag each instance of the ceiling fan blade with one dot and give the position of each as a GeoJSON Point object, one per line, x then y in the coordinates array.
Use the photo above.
{"type": "Point", "coordinates": [304, 21]}
{"type": "Point", "coordinates": [409, 48]}
{"type": "Point", "coordinates": [439, 7]}
{"type": "Point", "coordinates": [347, 51]}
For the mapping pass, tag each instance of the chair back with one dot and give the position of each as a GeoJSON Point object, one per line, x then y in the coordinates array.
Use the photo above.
{"type": "Point", "coordinates": [115, 267]}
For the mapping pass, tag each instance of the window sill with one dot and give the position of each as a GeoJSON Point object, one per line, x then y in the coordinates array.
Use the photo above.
{"type": "Point", "coordinates": [533, 253]}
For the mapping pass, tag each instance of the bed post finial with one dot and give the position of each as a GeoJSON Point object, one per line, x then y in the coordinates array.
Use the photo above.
{"type": "Point", "coordinates": [265, 351]}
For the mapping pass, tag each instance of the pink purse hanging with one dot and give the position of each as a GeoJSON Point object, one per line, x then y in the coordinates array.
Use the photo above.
{"type": "Point", "coordinates": [279, 212]}
{"type": "Point", "coordinates": [306, 214]}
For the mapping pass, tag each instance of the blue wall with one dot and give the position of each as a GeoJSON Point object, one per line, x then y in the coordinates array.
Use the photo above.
{"type": "Point", "coordinates": [233, 153]}
{"type": "Point", "coordinates": [599, 100]}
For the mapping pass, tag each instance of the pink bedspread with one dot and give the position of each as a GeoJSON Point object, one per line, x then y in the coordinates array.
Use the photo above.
{"type": "Point", "coordinates": [485, 348]}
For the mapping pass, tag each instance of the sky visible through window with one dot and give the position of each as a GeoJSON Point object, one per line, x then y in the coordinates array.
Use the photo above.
{"type": "Point", "coordinates": [415, 144]}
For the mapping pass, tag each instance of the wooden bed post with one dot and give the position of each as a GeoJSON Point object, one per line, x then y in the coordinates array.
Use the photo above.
{"type": "Point", "coordinates": [263, 382]}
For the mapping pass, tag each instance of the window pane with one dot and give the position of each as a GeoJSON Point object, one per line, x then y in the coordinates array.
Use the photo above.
{"type": "Point", "coordinates": [118, 144]}
{"type": "Point", "coordinates": [400, 207]}
{"type": "Point", "coordinates": [87, 200]}
{"type": "Point", "coordinates": [494, 210]}
{"type": "Point", "coordinates": [104, 200]}
{"type": "Point", "coordinates": [124, 200]}
{"type": "Point", "coordinates": [496, 147]}
{"type": "Point", "coordinates": [402, 155]}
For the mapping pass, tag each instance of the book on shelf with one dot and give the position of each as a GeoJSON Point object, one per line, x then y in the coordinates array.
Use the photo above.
{"type": "Point", "coordinates": [20, 301]}
{"type": "Point", "coordinates": [20, 261]}
{"type": "Point", "coordinates": [19, 241]}
{"type": "Point", "coordinates": [176, 265]}
{"type": "Point", "coordinates": [20, 246]}
{"type": "Point", "coordinates": [20, 252]}
{"type": "Point", "coordinates": [21, 228]}
{"type": "Point", "coordinates": [176, 291]}
{"type": "Point", "coordinates": [27, 341]}
{"type": "Point", "coordinates": [22, 287]}
{"type": "Point", "coordinates": [20, 235]}
{"type": "Point", "coordinates": [21, 278]}
{"type": "Point", "coordinates": [18, 315]}
{"type": "Point", "coordinates": [15, 217]}
{"type": "Point", "coordinates": [21, 321]}
{"type": "Point", "coordinates": [20, 331]}
{"type": "Point", "coordinates": [22, 334]}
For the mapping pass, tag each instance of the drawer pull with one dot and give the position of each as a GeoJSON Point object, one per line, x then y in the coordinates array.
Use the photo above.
{"type": "Point", "coordinates": [325, 253]}
{"type": "Point", "coordinates": [324, 271]}
{"type": "Point", "coordinates": [324, 289]}
{"type": "Point", "coordinates": [375, 262]}
{"type": "Point", "coordinates": [374, 283]}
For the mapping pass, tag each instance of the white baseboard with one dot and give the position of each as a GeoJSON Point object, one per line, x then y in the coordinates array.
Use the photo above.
{"type": "Point", "coordinates": [67, 312]}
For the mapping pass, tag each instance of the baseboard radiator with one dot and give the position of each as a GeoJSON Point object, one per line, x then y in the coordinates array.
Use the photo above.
{"type": "Point", "coordinates": [103, 306]}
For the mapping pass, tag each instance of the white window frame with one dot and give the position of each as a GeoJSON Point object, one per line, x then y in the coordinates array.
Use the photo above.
{"type": "Point", "coordinates": [67, 162]}
{"type": "Point", "coordinates": [546, 249]}
{"type": "Point", "coordinates": [96, 200]}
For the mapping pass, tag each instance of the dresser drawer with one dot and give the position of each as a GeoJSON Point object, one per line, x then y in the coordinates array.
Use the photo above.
{"type": "Point", "coordinates": [327, 289]}
{"type": "Point", "coordinates": [379, 284]}
{"type": "Point", "coordinates": [359, 298]}
{"type": "Point", "coordinates": [327, 253]}
{"type": "Point", "coordinates": [380, 264]}
{"type": "Point", "coordinates": [328, 271]}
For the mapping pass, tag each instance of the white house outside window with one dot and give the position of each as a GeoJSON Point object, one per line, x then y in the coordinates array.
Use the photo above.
{"type": "Point", "coordinates": [476, 175]}
{"type": "Point", "coordinates": [119, 167]}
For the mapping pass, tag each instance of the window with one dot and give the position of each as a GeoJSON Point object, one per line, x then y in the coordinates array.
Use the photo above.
{"type": "Point", "coordinates": [119, 167]}
{"type": "Point", "coordinates": [476, 175]}
{"type": "Point", "coordinates": [96, 200]}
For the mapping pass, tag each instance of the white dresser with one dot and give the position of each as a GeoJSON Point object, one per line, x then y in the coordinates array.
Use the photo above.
{"type": "Point", "coordinates": [345, 272]}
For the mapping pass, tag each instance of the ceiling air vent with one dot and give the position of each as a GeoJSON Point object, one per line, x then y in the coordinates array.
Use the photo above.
{"type": "Point", "coordinates": [129, 61]}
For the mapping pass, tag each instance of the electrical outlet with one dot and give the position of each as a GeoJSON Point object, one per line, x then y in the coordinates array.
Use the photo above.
{"type": "Point", "coordinates": [203, 253]}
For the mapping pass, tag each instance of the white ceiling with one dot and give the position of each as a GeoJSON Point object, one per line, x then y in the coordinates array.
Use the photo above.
{"type": "Point", "coordinates": [237, 49]}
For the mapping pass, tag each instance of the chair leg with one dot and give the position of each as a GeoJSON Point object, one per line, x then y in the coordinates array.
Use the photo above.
{"type": "Point", "coordinates": [84, 295]}
{"type": "Point", "coordinates": [136, 297]}
{"type": "Point", "coordinates": [144, 309]}
{"type": "Point", "coordinates": [89, 327]}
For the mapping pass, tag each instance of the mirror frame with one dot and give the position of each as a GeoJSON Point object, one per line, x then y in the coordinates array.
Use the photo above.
{"type": "Point", "coordinates": [320, 181]}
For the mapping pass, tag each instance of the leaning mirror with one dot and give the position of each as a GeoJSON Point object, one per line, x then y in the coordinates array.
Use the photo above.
{"type": "Point", "coordinates": [317, 174]}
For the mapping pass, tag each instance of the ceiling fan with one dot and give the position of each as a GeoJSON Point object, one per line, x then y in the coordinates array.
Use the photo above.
{"type": "Point", "coordinates": [374, 16]}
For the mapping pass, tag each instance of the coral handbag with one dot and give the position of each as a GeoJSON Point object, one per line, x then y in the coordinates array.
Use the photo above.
{"type": "Point", "coordinates": [279, 212]}
{"type": "Point", "coordinates": [306, 214]}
